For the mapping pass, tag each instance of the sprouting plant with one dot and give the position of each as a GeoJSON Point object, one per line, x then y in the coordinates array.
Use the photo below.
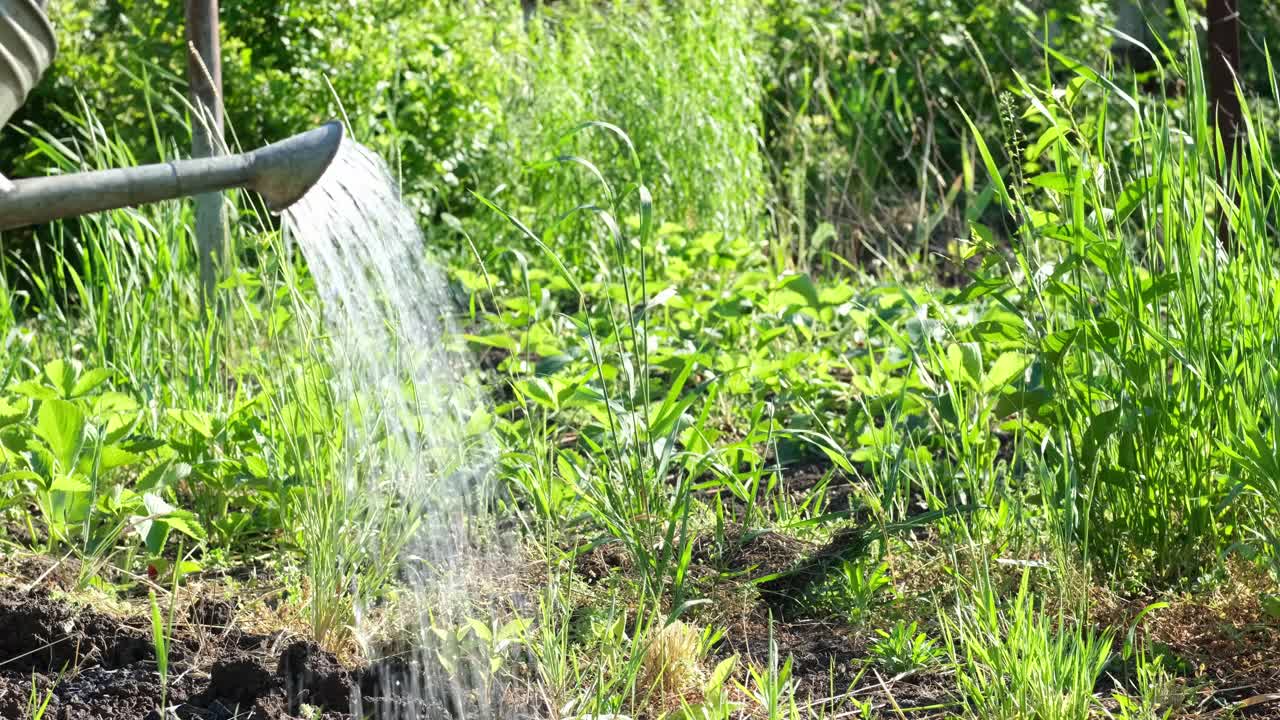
{"type": "Point", "coordinates": [715, 703]}
{"type": "Point", "coordinates": [853, 589]}
{"type": "Point", "coordinates": [162, 629]}
{"type": "Point", "coordinates": [1158, 692]}
{"type": "Point", "coordinates": [37, 706]}
{"type": "Point", "coordinates": [160, 639]}
{"type": "Point", "coordinates": [772, 687]}
{"type": "Point", "coordinates": [904, 649]}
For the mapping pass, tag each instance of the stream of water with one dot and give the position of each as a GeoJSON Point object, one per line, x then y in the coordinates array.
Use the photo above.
{"type": "Point", "coordinates": [412, 423]}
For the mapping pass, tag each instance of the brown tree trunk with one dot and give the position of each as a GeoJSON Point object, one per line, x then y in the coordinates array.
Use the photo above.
{"type": "Point", "coordinates": [1224, 102]}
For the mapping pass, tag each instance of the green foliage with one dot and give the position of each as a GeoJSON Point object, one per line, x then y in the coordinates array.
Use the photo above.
{"type": "Point", "coordinates": [904, 649]}
{"type": "Point", "coordinates": [70, 443]}
{"type": "Point", "coordinates": [160, 640]}
{"type": "Point", "coordinates": [1021, 662]}
{"type": "Point", "coordinates": [1151, 345]}
{"type": "Point", "coordinates": [1093, 383]}
{"type": "Point", "coordinates": [854, 589]}
{"type": "Point", "coordinates": [861, 114]}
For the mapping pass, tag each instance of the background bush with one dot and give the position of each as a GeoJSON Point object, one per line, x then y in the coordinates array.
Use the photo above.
{"type": "Point", "coordinates": [834, 123]}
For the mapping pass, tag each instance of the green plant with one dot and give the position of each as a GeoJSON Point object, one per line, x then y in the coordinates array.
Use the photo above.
{"type": "Point", "coordinates": [853, 588]}
{"type": "Point", "coordinates": [867, 153]}
{"type": "Point", "coordinates": [772, 687]}
{"type": "Point", "coordinates": [1132, 381]}
{"type": "Point", "coordinates": [904, 649]}
{"type": "Point", "coordinates": [1158, 692]}
{"type": "Point", "coordinates": [160, 641]}
{"type": "Point", "coordinates": [1020, 662]}
{"type": "Point", "coordinates": [73, 444]}
{"type": "Point", "coordinates": [36, 706]}
{"type": "Point", "coordinates": [162, 630]}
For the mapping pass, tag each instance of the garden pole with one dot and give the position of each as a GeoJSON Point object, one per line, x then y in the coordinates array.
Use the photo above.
{"type": "Point", "coordinates": [204, 73]}
{"type": "Point", "coordinates": [1224, 102]}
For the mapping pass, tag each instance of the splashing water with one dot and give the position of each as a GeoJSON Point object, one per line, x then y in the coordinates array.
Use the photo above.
{"type": "Point", "coordinates": [414, 444]}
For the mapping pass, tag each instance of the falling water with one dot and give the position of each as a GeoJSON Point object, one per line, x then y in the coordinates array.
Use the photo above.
{"type": "Point", "coordinates": [413, 417]}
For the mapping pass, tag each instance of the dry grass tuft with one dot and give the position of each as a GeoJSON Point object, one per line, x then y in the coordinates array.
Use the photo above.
{"type": "Point", "coordinates": [671, 671]}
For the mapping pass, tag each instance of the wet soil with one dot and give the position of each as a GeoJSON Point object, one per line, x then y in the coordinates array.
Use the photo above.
{"type": "Point", "coordinates": [91, 666]}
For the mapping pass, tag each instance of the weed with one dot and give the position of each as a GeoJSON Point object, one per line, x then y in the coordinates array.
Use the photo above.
{"type": "Point", "coordinates": [854, 589]}
{"type": "Point", "coordinates": [904, 649]}
{"type": "Point", "coordinates": [37, 706]}
{"type": "Point", "coordinates": [772, 687]}
{"type": "Point", "coordinates": [1020, 662]}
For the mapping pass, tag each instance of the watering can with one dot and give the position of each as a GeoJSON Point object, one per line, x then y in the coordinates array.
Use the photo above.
{"type": "Point", "coordinates": [281, 173]}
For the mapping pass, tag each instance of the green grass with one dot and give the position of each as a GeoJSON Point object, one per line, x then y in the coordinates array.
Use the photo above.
{"type": "Point", "coordinates": [718, 420]}
{"type": "Point", "coordinates": [1022, 662]}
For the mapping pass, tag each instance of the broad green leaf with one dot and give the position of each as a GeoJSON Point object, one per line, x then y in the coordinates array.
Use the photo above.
{"type": "Point", "coordinates": [480, 630]}
{"type": "Point", "coordinates": [113, 456]}
{"type": "Point", "coordinates": [62, 376]}
{"type": "Point", "coordinates": [20, 475]}
{"type": "Point", "coordinates": [156, 505]}
{"type": "Point", "coordinates": [71, 483]}
{"type": "Point", "coordinates": [61, 425]}
{"type": "Point", "coordinates": [539, 390]}
{"type": "Point", "coordinates": [496, 340]}
{"type": "Point", "coordinates": [1047, 138]}
{"type": "Point", "coordinates": [120, 426]}
{"type": "Point", "coordinates": [13, 410]}
{"type": "Point", "coordinates": [1006, 369]}
{"type": "Point", "coordinates": [255, 466]}
{"type": "Point", "coordinates": [202, 423]}
{"type": "Point", "coordinates": [992, 169]}
{"type": "Point", "coordinates": [802, 285]}
{"type": "Point", "coordinates": [965, 361]}
{"type": "Point", "coordinates": [154, 534]}
{"type": "Point", "coordinates": [1057, 343]}
{"type": "Point", "coordinates": [1021, 401]}
{"type": "Point", "coordinates": [185, 523]}
{"type": "Point", "coordinates": [1131, 199]}
{"type": "Point", "coordinates": [36, 390]}
{"type": "Point", "coordinates": [1055, 181]}
{"type": "Point", "coordinates": [113, 403]}
{"type": "Point", "coordinates": [479, 424]}
{"type": "Point", "coordinates": [721, 673]}
{"type": "Point", "coordinates": [90, 380]}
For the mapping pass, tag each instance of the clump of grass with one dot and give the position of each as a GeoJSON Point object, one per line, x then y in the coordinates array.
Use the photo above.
{"type": "Point", "coordinates": [1019, 662]}
{"type": "Point", "coordinates": [671, 669]}
{"type": "Point", "coordinates": [904, 648]}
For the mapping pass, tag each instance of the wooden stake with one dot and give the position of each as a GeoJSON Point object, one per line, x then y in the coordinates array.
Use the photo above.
{"type": "Point", "coordinates": [204, 74]}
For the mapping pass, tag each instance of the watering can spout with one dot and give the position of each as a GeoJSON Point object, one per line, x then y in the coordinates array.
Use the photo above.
{"type": "Point", "coordinates": [285, 171]}
{"type": "Point", "coordinates": [281, 173]}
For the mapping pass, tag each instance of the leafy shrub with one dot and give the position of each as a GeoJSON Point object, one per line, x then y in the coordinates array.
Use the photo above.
{"type": "Point", "coordinates": [862, 99]}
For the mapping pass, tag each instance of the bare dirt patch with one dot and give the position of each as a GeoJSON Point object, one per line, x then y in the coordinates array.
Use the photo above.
{"type": "Point", "coordinates": [96, 667]}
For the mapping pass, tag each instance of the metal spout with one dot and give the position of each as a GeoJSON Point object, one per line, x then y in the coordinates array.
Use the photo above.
{"type": "Point", "coordinates": [281, 173]}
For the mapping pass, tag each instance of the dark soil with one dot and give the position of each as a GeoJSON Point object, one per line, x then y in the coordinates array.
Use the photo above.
{"type": "Point", "coordinates": [97, 667]}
